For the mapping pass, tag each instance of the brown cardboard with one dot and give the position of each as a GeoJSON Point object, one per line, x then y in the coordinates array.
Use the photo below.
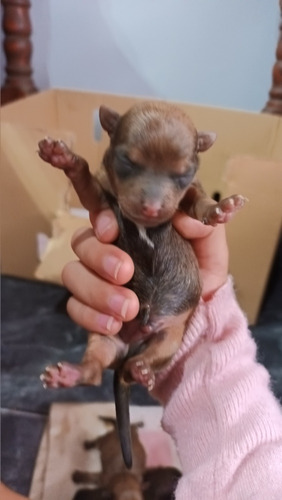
{"type": "Point", "coordinates": [255, 235]}
{"type": "Point", "coordinates": [246, 159]}
{"type": "Point", "coordinates": [58, 250]}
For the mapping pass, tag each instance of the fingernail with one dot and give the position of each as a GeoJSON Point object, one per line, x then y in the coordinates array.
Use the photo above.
{"type": "Point", "coordinates": [112, 266]}
{"type": "Point", "coordinates": [109, 323]}
{"type": "Point", "coordinates": [103, 224]}
{"type": "Point", "coordinates": [119, 305]}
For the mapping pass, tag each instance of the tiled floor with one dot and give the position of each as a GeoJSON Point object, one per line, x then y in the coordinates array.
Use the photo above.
{"type": "Point", "coordinates": [36, 331]}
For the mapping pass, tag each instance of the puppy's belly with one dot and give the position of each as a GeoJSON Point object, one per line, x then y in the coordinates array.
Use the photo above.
{"type": "Point", "coordinates": [166, 279]}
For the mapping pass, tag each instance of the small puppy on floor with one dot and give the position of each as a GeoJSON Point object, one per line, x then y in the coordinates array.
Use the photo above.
{"type": "Point", "coordinates": [115, 482]}
{"type": "Point", "coordinates": [114, 478]}
{"type": "Point", "coordinates": [148, 173]}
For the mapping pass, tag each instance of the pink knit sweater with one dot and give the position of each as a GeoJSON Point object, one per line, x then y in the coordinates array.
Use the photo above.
{"type": "Point", "coordinates": [218, 407]}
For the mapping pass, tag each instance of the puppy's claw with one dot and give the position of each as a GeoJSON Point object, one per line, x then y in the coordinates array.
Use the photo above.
{"type": "Point", "coordinates": [145, 371]}
{"type": "Point", "coordinates": [43, 380]}
{"type": "Point", "coordinates": [139, 370]}
{"type": "Point", "coordinates": [151, 385]}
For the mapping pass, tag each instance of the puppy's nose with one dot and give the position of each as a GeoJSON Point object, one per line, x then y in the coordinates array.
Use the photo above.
{"type": "Point", "coordinates": [151, 209]}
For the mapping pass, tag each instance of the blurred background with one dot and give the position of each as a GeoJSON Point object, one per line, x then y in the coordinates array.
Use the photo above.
{"type": "Point", "coordinates": [218, 52]}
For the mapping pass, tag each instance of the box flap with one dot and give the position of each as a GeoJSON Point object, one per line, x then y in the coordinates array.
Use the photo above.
{"type": "Point", "coordinates": [37, 110]}
{"type": "Point", "coordinates": [58, 251]}
{"type": "Point", "coordinates": [44, 185]}
{"type": "Point", "coordinates": [253, 234]}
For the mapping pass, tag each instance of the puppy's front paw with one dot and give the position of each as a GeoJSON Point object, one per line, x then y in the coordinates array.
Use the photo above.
{"type": "Point", "coordinates": [56, 153]}
{"type": "Point", "coordinates": [137, 370]}
{"type": "Point", "coordinates": [223, 211]}
{"type": "Point", "coordinates": [61, 375]}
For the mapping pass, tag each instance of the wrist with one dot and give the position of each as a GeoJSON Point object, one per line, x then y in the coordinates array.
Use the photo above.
{"type": "Point", "coordinates": [212, 283]}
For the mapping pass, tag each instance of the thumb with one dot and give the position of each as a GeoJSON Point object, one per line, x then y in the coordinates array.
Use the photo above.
{"type": "Point", "coordinates": [105, 225]}
{"type": "Point", "coordinates": [190, 228]}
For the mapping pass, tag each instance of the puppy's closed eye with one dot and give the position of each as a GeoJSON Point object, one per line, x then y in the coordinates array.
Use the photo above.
{"type": "Point", "coordinates": [124, 167]}
{"type": "Point", "coordinates": [183, 180]}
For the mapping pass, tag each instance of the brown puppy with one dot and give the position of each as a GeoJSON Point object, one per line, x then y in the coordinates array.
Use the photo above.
{"type": "Point", "coordinates": [115, 478]}
{"type": "Point", "coordinates": [148, 173]}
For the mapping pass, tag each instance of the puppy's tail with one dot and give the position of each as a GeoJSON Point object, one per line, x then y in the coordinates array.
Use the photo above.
{"type": "Point", "coordinates": [122, 392]}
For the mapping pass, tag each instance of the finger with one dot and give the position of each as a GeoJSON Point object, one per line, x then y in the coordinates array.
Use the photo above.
{"type": "Point", "coordinates": [100, 295]}
{"type": "Point", "coordinates": [9, 494]}
{"type": "Point", "coordinates": [190, 228]}
{"type": "Point", "coordinates": [108, 261]}
{"type": "Point", "coordinates": [92, 320]}
{"type": "Point", "coordinates": [105, 226]}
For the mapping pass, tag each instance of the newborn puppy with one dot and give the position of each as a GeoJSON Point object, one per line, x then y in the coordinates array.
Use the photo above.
{"type": "Point", "coordinates": [160, 483]}
{"type": "Point", "coordinates": [114, 478]}
{"type": "Point", "coordinates": [148, 173]}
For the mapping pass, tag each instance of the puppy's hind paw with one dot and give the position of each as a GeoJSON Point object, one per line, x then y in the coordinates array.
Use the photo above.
{"type": "Point", "coordinates": [61, 375]}
{"type": "Point", "coordinates": [137, 370]}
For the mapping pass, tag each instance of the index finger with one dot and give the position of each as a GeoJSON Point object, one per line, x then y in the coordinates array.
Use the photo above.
{"type": "Point", "coordinates": [106, 260]}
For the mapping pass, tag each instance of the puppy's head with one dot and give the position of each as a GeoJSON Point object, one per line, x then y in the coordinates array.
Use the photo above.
{"type": "Point", "coordinates": [152, 159]}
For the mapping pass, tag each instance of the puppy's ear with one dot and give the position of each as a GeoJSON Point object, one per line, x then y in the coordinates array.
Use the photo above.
{"type": "Point", "coordinates": [108, 119]}
{"type": "Point", "coordinates": [205, 140]}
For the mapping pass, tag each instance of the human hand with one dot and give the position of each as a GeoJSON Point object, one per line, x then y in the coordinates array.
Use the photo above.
{"type": "Point", "coordinates": [7, 494]}
{"type": "Point", "coordinates": [210, 247]}
{"type": "Point", "coordinates": [99, 302]}
{"type": "Point", "coordinates": [104, 268]}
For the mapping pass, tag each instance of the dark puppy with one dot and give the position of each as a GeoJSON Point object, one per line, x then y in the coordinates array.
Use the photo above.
{"type": "Point", "coordinates": [159, 483]}
{"type": "Point", "coordinates": [148, 173]}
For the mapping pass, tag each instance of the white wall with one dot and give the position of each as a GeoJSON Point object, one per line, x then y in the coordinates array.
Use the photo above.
{"type": "Point", "coordinates": [216, 52]}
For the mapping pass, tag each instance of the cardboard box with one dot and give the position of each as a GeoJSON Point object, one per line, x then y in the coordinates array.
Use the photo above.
{"type": "Point", "coordinates": [246, 159]}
